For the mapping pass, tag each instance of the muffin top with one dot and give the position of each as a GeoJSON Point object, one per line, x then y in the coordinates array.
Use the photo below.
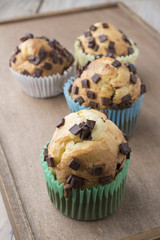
{"type": "Point", "coordinates": [86, 149]}
{"type": "Point", "coordinates": [39, 56]}
{"type": "Point", "coordinates": [104, 39]}
{"type": "Point", "coordinates": [107, 83]}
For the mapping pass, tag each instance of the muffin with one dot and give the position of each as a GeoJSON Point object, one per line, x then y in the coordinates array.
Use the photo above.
{"type": "Point", "coordinates": [85, 165]}
{"type": "Point", "coordinates": [107, 84]}
{"type": "Point", "coordinates": [41, 66]}
{"type": "Point", "coordinates": [104, 40]}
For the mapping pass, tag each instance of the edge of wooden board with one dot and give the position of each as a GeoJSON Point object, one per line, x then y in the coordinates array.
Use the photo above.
{"type": "Point", "coordinates": [15, 210]}
{"type": "Point", "coordinates": [12, 201]}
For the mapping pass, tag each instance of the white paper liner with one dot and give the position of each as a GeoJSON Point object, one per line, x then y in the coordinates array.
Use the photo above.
{"type": "Point", "coordinates": [83, 58]}
{"type": "Point", "coordinates": [43, 87]}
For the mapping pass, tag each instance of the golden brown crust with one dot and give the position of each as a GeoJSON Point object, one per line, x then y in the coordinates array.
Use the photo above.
{"type": "Point", "coordinates": [114, 84]}
{"type": "Point", "coordinates": [121, 42]}
{"type": "Point", "coordinates": [102, 150]}
{"type": "Point", "coordinates": [37, 53]}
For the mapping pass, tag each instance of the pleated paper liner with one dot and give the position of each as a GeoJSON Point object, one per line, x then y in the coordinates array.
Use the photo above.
{"type": "Point", "coordinates": [44, 87]}
{"type": "Point", "coordinates": [87, 204]}
{"type": "Point", "coordinates": [125, 119]}
{"type": "Point", "coordinates": [83, 58]}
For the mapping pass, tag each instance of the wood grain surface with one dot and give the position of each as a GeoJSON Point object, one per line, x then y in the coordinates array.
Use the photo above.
{"type": "Point", "coordinates": [28, 123]}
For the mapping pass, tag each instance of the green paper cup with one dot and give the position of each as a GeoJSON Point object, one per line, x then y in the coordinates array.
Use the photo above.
{"type": "Point", "coordinates": [87, 204]}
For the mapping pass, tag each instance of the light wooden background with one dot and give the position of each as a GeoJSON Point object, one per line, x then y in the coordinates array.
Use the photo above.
{"type": "Point", "coordinates": [149, 10]}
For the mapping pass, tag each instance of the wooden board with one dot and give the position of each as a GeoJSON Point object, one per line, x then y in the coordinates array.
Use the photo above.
{"type": "Point", "coordinates": [28, 123]}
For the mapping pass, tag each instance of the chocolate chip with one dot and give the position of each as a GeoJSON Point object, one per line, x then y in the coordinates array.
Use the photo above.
{"type": "Point", "coordinates": [105, 180]}
{"type": "Point", "coordinates": [55, 59]}
{"type": "Point", "coordinates": [13, 59]}
{"type": "Point", "coordinates": [91, 95]}
{"type": "Point", "coordinates": [91, 42]}
{"type": "Point", "coordinates": [87, 34]}
{"type": "Point", "coordinates": [111, 55]}
{"type": "Point", "coordinates": [111, 50]}
{"type": "Point", "coordinates": [116, 63]}
{"type": "Point", "coordinates": [119, 165]}
{"type": "Point", "coordinates": [125, 136]}
{"type": "Point", "coordinates": [37, 72]}
{"type": "Point", "coordinates": [50, 161]}
{"type": "Point", "coordinates": [133, 78]}
{"type": "Point", "coordinates": [34, 60]}
{"type": "Point", "coordinates": [53, 53]}
{"type": "Point", "coordinates": [74, 164]}
{"type": "Point", "coordinates": [130, 50]}
{"type": "Point", "coordinates": [42, 54]}
{"type": "Point", "coordinates": [70, 89]}
{"type": "Point", "coordinates": [105, 25]}
{"type": "Point", "coordinates": [47, 65]}
{"type": "Point", "coordinates": [127, 98]}
{"type": "Point", "coordinates": [124, 148]}
{"type": "Point", "coordinates": [75, 181]}
{"type": "Point", "coordinates": [125, 38]}
{"type": "Point", "coordinates": [95, 78]}
{"type": "Point", "coordinates": [60, 123]}
{"type": "Point", "coordinates": [53, 42]}
{"type": "Point", "coordinates": [87, 64]}
{"type": "Point", "coordinates": [85, 133]}
{"type": "Point", "coordinates": [75, 90]}
{"type": "Point", "coordinates": [81, 125]}
{"type": "Point", "coordinates": [85, 83]}
{"type": "Point", "coordinates": [90, 123]}
{"type": "Point", "coordinates": [105, 101]}
{"type": "Point", "coordinates": [131, 67]}
{"type": "Point", "coordinates": [45, 153]}
{"type": "Point", "coordinates": [93, 105]}
{"type": "Point", "coordinates": [128, 155]}
{"type": "Point", "coordinates": [111, 44]}
{"type": "Point", "coordinates": [95, 48]}
{"type": "Point", "coordinates": [114, 106]}
{"type": "Point", "coordinates": [79, 71]}
{"type": "Point", "coordinates": [93, 28]}
{"type": "Point", "coordinates": [16, 50]}
{"type": "Point", "coordinates": [60, 61]}
{"type": "Point", "coordinates": [97, 170]}
{"type": "Point", "coordinates": [103, 38]}
{"type": "Point", "coordinates": [80, 100]}
{"type": "Point", "coordinates": [75, 129]}
{"type": "Point", "coordinates": [25, 72]}
{"type": "Point", "coordinates": [26, 37]}
{"type": "Point", "coordinates": [143, 89]}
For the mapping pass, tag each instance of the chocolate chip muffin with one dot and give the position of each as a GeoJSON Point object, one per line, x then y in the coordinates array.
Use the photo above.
{"type": "Point", "coordinates": [86, 151]}
{"type": "Point", "coordinates": [107, 84]}
{"type": "Point", "coordinates": [37, 57]}
{"type": "Point", "coordinates": [104, 39]}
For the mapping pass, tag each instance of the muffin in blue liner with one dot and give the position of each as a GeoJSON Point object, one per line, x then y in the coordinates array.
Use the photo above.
{"type": "Point", "coordinates": [89, 184]}
{"type": "Point", "coordinates": [125, 114]}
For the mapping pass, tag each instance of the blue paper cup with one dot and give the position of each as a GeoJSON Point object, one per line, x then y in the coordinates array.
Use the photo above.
{"type": "Point", "coordinates": [126, 119]}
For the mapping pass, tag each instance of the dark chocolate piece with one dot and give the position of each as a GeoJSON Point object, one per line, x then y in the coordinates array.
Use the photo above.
{"type": "Point", "coordinates": [90, 123]}
{"type": "Point", "coordinates": [85, 83]}
{"type": "Point", "coordinates": [81, 125]}
{"type": "Point", "coordinates": [91, 95]}
{"type": "Point", "coordinates": [74, 164]}
{"type": "Point", "coordinates": [111, 44]}
{"type": "Point", "coordinates": [130, 50]}
{"type": "Point", "coordinates": [42, 54]}
{"type": "Point", "coordinates": [128, 155]}
{"type": "Point", "coordinates": [119, 165]}
{"type": "Point", "coordinates": [47, 65]}
{"type": "Point", "coordinates": [25, 72]}
{"type": "Point", "coordinates": [143, 89]}
{"type": "Point", "coordinates": [87, 34]}
{"type": "Point", "coordinates": [127, 98]}
{"type": "Point", "coordinates": [87, 64]}
{"type": "Point", "coordinates": [13, 59]}
{"type": "Point", "coordinates": [105, 101]}
{"type": "Point", "coordinates": [37, 72]}
{"type": "Point", "coordinates": [16, 50]}
{"type": "Point", "coordinates": [105, 180]}
{"type": "Point", "coordinates": [91, 42]}
{"type": "Point", "coordinates": [75, 129]}
{"type": "Point", "coordinates": [50, 161]}
{"type": "Point", "coordinates": [111, 55]}
{"type": "Point", "coordinates": [124, 148]}
{"type": "Point", "coordinates": [75, 90]}
{"type": "Point", "coordinates": [80, 100]}
{"type": "Point", "coordinates": [131, 67]}
{"type": "Point", "coordinates": [95, 78]}
{"type": "Point", "coordinates": [45, 153]}
{"type": "Point", "coordinates": [93, 28]}
{"type": "Point", "coordinates": [93, 105]}
{"type": "Point", "coordinates": [70, 89]}
{"type": "Point", "coordinates": [95, 47]}
{"type": "Point", "coordinates": [97, 170]}
{"type": "Point", "coordinates": [34, 60]}
{"type": "Point", "coordinates": [85, 133]}
{"type": "Point", "coordinates": [105, 25]}
{"type": "Point", "coordinates": [75, 181]}
{"type": "Point", "coordinates": [125, 38]}
{"type": "Point", "coordinates": [116, 64]}
{"type": "Point", "coordinates": [26, 37]}
{"type": "Point", "coordinates": [133, 78]}
{"type": "Point", "coordinates": [79, 71]}
{"type": "Point", "coordinates": [103, 38]}
{"type": "Point", "coordinates": [60, 123]}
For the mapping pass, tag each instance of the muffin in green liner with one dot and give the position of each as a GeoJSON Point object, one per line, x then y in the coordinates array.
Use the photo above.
{"type": "Point", "coordinates": [89, 183]}
{"type": "Point", "coordinates": [104, 39]}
